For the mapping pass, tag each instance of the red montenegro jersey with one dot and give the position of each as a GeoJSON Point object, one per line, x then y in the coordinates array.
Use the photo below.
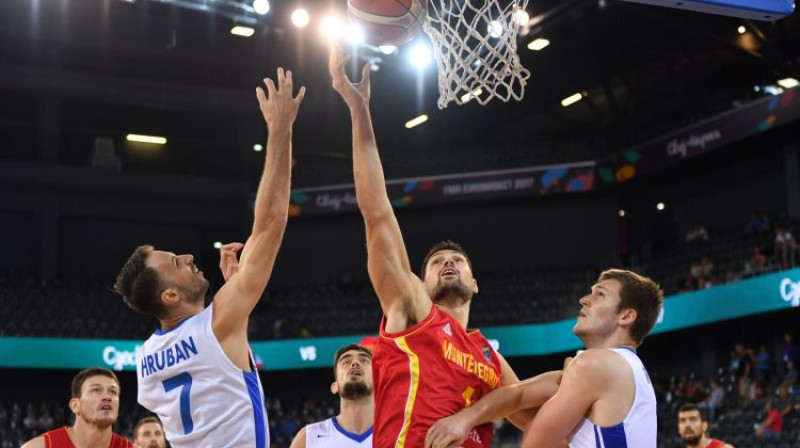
{"type": "Point", "coordinates": [714, 443]}
{"type": "Point", "coordinates": [428, 372]}
{"type": "Point", "coordinates": [58, 438]}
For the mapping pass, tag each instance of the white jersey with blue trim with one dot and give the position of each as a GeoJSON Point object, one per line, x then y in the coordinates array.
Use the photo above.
{"type": "Point", "coordinates": [328, 434]}
{"type": "Point", "coordinates": [638, 429]}
{"type": "Point", "coordinates": [201, 397]}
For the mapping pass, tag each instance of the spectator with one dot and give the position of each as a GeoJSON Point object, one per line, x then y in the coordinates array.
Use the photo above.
{"type": "Point", "coordinates": [757, 263]}
{"type": "Point", "coordinates": [763, 364]}
{"type": "Point", "coordinates": [744, 372]}
{"type": "Point", "coordinates": [772, 425]}
{"type": "Point", "coordinates": [791, 376]}
{"type": "Point", "coordinates": [790, 352]}
{"type": "Point", "coordinates": [785, 247]}
{"type": "Point", "coordinates": [46, 421]}
{"type": "Point", "coordinates": [714, 401]}
{"type": "Point", "coordinates": [697, 234]}
{"type": "Point", "coordinates": [30, 422]}
{"type": "Point", "coordinates": [755, 225]}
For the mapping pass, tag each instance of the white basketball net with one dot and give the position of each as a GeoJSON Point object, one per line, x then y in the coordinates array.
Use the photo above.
{"type": "Point", "coordinates": [475, 44]}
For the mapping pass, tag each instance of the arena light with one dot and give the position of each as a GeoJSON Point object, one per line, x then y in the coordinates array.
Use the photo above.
{"type": "Point", "coordinates": [538, 44]}
{"type": "Point", "coordinates": [257, 147]}
{"type": "Point", "coordinates": [354, 34]}
{"type": "Point", "coordinates": [660, 206]}
{"type": "Point", "coordinates": [741, 29]}
{"type": "Point", "coordinates": [521, 17]}
{"type": "Point", "coordinates": [300, 18]}
{"type": "Point", "coordinates": [495, 29]}
{"type": "Point", "coordinates": [151, 139]}
{"type": "Point", "coordinates": [217, 245]}
{"type": "Point", "coordinates": [572, 99]}
{"type": "Point", "coordinates": [416, 121]}
{"type": "Point", "coordinates": [332, 27]}
{"type": "Point", "coordinates": [420, 55]}
{"type": "Point", "coordinates": [788, 83]}
{"type": "Point", "coordinates": [261, 6]}
{"type": "Point", "coordinates": [468, 96]}
{"type": "Point", "coordinates": [387, 49]}
{"type": "Point", "coordinates": [622, 213]}
{"type": "Point", "coordinates": [244, 31]}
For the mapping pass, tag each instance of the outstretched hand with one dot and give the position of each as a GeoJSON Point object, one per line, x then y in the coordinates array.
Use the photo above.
{"type": "Point", "coordinates": [277, 104]}
{"type": "Point", "coordinates": [353, 94]}
{"type": "Point", "coordinates": [449, 432]}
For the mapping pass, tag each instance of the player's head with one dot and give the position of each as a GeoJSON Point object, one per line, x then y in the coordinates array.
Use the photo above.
{"type": "Point", "coordinates": [149, 433]}
{"type": "Point", "coordinates": [619, 300]}
{"type": "Point", "coordinates": [447, 273]}
{"type": "Point", "coordinates": [153, 281]}
{"type": "Point", "coordinates": [95, 396]}
{"type": "Point", "coordinates": [352, 369]}
{"type": "Point", "coordinates": [692, 423]}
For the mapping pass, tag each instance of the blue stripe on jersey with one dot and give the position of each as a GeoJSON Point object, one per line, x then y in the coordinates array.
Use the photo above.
{"type": "Point", "coordinates": [596, 437]}
{"type": "Point", "coordinates": [251, 379]}
{"type": "Point", "coordinates": [352, 436]}
{"type": "Point", "coordinates": [161, 332]}
{"type": "Point", "coordinates": [614, 436]}
{"type": "Point", "coordinates": [630, 349]}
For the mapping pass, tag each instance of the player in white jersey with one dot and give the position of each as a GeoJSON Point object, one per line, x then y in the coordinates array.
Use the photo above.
{"type": "Point", "coordinates": [605, 399]}
{"type": "Point", "coordinates": [197, 372]}
{"type": "Point", "coordinates": [352, 428]}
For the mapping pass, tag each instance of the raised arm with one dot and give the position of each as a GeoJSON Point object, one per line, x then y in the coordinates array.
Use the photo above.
{"type": "Point", "coordinates": [510, 401]}
{"type": "Point", "coordinates": [237, 298]}
{"type": "Point", "coordinates": [402, 294]}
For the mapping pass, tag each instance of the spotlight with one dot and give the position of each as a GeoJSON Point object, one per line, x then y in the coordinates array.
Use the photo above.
{"type": "Point", "coordinates": [416, 121]}
{"type": "Point", "coordinates": [570, 100]}
{"type": "Point", "coordinates": [244, 31]}
{"type": "Point", "coordinates": [420, 55]}
{"type": "Point", "coordinates": [300, 18]}
{"type": "Point", "coordinates": [538, 44]}
{"type": "Point", "coordinates": [387, 49]}
{"type": "Point", "coordinates": [332, 27]}
{"type": "Point", "coordinates": [622, 213]}
{"type": "Point", "coordinates": [788, 83]}
{"type": "Point", "coordinates": [660, 206]}
{"type": "Point", "coordinates": [257, 147]}
{"type": "Point", "coordinates": [495, 29]}
{"type": "Point", "coordinates": [261, 6]}
{"type": "Point", "coordinates": [741, 29]}
{"type": "Point", "coordinates": [521, 17]}
{"type": "Point", "coordinates": [217, 245]}
{"type": "Point", "coordinates": [152, 139]}
{"type": "Point", "coordinates": [354, 34]}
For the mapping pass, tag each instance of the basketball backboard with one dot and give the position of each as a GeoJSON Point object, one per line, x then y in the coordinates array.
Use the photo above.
{"type": "Point", "coordinates": [769, 10]}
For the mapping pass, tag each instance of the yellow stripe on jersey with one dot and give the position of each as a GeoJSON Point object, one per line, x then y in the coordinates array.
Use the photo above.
{"type": "Point", "coordinates": [413, 365]}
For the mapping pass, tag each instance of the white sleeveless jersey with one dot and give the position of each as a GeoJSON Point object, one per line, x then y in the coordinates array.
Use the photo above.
{"type": "Point", "coordinates": [328, 434]}
{"type": "Point", "coordinates": [638, 429]}
{"type": "Point", "coordinates": [201, 397]}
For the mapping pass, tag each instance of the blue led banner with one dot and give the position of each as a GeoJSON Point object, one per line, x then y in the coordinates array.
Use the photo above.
{"type": "Point", "coordinates": [763, 294]}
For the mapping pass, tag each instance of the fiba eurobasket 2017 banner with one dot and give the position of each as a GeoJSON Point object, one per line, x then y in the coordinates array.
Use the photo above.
{"type": "Point", "coordinates": [534, 181]}
{"type": "Point", "coordinates": [714, 133]}
{"type": "Point", "coordinates": [773, 292]}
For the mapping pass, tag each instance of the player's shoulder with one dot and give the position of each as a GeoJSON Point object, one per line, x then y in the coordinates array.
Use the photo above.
{"type": "Point", "coordinates": [36, 442]}
{"type": "Point", "coordinates": [299, 440]}
{"type": "Point", "coordinates": [596, 362]}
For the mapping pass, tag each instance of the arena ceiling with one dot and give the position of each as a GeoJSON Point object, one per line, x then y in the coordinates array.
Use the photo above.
{"type": "Point", "coordinates": [173, 68]}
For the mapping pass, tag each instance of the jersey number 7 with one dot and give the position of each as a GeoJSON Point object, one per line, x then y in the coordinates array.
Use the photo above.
{"type": "Point", "coordinates": [184, 381]}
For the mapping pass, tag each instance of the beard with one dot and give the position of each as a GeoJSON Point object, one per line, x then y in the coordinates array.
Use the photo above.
{"type": "Point", "coordinates": [355, 390]}
{"type": "Point", "coordinates": [692, 440]}
{"type": "Point", "coordinates": [454, 293]}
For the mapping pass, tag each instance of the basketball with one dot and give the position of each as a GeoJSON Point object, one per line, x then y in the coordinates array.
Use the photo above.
{"type": "Point", "coordinates": [388, 22]}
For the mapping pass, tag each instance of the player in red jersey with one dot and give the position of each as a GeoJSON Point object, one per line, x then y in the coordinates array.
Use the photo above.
{"type": "Point", "coordinates": [693, 428]}
{"type": "Point", "coordinates": [426, 364]}
{"type": "Point", "coordinates": [95, 403]}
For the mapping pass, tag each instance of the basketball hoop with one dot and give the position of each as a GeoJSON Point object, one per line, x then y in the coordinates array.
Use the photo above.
{"type": "Point", "coordinates": [475, 44]}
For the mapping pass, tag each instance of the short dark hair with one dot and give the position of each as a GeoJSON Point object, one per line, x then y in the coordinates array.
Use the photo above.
{"type": "Point", "coordinates": [139, 285]}
{"type": "Point", "coordinates": [83, 375]}
{"type": "Point", "coordinates": [691, 407]}
{"type": "Point", "coordinates": [345, 349]}
{"type": "Point", "coordinates": [641, 294]}
{"type": "Point", "coordinates": [142, 421]}
{"type": "Point", "coordinates": [444, 245]}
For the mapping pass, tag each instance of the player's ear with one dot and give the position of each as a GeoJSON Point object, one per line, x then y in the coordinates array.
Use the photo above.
{"type": "Point", "coordinates": [74, 405]}
{"type": "Point", "coordinates": [334, 388]}
{"type": "Point", "coordinates": [474, 286]}
{"type": "Point", "coordinates": [169, 296]}
{"type": "Point", "coordinates": [628, 317]}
